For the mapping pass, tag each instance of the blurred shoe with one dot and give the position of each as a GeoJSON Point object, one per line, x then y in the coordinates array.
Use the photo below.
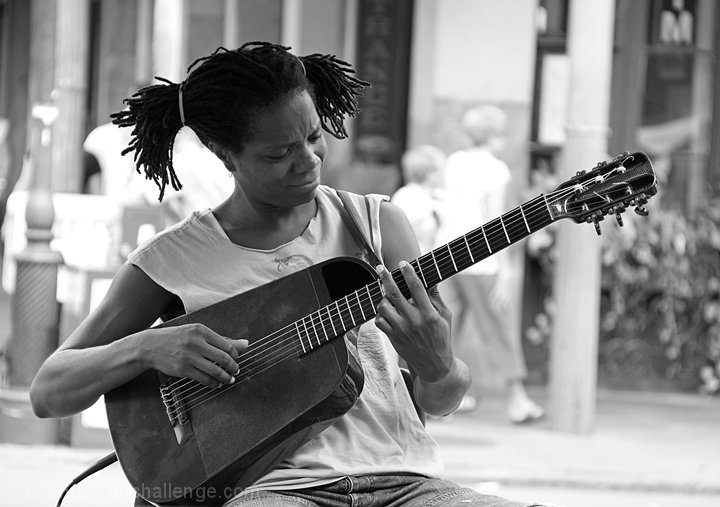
{"type": "Point", "coordinates": [532, 413]}
{"type": "Point", "coordinates": [521, 409]}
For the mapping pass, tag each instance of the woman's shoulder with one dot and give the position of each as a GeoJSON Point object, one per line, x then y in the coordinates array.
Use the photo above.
{"type": "Point", "coordinates": [176, 234]}
{"type": "Point", "coordinates": [331, 194]}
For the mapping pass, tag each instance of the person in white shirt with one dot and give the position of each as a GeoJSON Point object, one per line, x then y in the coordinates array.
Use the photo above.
{"type": "Point", "coordinates": [421, 197]}
{"type": "Point", "coordinates": [476, 187]}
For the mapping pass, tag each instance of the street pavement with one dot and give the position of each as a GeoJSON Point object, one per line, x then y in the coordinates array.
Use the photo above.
{"type": "Point", "coordinates": [646, 449]}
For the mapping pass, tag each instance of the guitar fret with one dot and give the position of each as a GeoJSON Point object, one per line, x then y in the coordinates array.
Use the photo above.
{"type": "Point", "coordinates": [547, 205]}
{"type": "Point", "coordinates": [437, 268]}
{"type": "Point", "coordinates": [302, 344]}
{"type": "Point", "coordinates": [342, 323]}
{"type": "Point", "coordinates": [467, 245]}
{"type": "Point", "coordinates": [357, 296]}
{"type": "Point", "coordinates": [505, 230]}
{"type": "Point", "coordinates": [330, 318]}
{"type": "Point", "coordinates": [419, 270]}
{"type": "Point", "coordinates": [347, 302]}
{"type": "Point", "coordinates": [317, 336]}
{"type": "Point", "coordinates": [452, 258]}
{"type": "Point", "coordinates": [381, 290]}
{"type": "Point", "coordinates": [525, 220]}
{"type": "Point", "coordinates": [322, 325]}
{"type": "Point", "coordinates": [486, 239]}
{"type": "Point", "coordinates": [307, 335]}
{"type": "Point", "coordinates": [372, 305]}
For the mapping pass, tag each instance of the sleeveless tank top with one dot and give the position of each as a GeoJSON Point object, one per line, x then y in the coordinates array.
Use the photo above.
{"type": "Point", "coordinates": [381, 433]}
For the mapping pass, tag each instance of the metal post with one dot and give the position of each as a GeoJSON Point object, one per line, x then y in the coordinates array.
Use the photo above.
{"type": "Point", "coordinates": [35, 311]}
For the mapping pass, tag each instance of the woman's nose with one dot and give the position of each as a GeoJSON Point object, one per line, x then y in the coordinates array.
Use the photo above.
{"type": "Point", "coordinates": [307, 159]}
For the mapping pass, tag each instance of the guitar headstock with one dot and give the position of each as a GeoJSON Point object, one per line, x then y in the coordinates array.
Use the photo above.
{"type": "Point", "coordinates": [611, 187]}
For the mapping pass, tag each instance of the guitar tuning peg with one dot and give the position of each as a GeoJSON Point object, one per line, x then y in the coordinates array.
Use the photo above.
{"type": "Point", "coordinates": [642, 211]}
{"type": "Point", "coordinates": [620, 208]}
{"type": "Point", "coordinates": [597, 227]}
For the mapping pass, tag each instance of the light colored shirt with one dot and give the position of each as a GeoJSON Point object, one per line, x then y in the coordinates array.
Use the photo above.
{"type": "Point", "coordinates": [119, 179]}
{"type": "Point", "coordinates": [423, 207]}
{"type": "Point", "coordinates": [475, 183]}
{"type": "Point", "coordinates": [381, 432]}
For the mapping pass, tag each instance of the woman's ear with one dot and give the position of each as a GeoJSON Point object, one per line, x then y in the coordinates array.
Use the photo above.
{"type": "Point", "coordinates": [223, 154]}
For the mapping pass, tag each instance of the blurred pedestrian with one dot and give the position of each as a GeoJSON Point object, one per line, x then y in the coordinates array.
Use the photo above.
{"type": "Point", "coordinates": [476, 185]}
{"type": "Point", "coordinates": [421, 196]}
{"type": "Point", "coordinates": [206, 182]}
{"type": "Point", "coordinates": [117, 176]}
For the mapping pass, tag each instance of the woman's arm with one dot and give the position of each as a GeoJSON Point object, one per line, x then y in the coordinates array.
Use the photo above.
{"type": "Point", "coordinates": [113, 345]}
{"type": "Point", "coordinates": [418, 328]}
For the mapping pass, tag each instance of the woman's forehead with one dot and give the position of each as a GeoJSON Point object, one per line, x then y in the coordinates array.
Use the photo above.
{"type": "Point", "coordinates": [286, 121]}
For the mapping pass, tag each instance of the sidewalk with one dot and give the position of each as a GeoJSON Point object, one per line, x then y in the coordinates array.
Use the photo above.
{"type": "Point", "coordinates": [643, 444]}
{"type": "Point", "coordinates": [646, 450]}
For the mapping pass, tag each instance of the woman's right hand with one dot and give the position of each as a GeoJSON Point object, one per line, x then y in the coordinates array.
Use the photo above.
{"type": "Point", "coordinates": [192, 351]}
{"type": "Point", "coordinates": [116, 343]}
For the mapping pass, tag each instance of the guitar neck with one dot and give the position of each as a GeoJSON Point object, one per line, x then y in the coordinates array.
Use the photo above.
{"type": "Point", "coordinates": [471, 248]}
{"type": "Point", "coordinates": [432, 268]}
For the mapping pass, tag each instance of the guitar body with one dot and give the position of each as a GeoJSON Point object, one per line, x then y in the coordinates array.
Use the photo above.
{"type": "Point", "coordinates": [236, 436]}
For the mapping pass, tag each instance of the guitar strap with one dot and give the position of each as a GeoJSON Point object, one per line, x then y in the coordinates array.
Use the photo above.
{"type": "Point", "coordinates": [352, 220]}
{"type": "Point", "coordinates": [350, 216]}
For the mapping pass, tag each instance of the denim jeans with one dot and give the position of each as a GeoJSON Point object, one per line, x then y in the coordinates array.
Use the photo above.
{"type": "Point", "coordinates": [376, 491]}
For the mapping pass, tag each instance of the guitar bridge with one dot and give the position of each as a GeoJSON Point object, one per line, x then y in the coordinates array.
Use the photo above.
{"type": "Point", "coordinates": [176, 412]}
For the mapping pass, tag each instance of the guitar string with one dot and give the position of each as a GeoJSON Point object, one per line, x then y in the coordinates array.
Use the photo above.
{"type": "Point", "coordinates": [272, 356]}
{"type": "Point", "coordinates": [319, 315]}
{"type": "Point", "coordinates": [213, 391]}
{"type": "Point", "coordinates": [501, 224]}
{"type": "Point", "coordinates": [270, 337]}
{"type": "Point", "coordinates": [344, 313]}
{"type": "Point", "coordinates": [210, 393]}
{"type": "Point", "coordinates": [508, 227]}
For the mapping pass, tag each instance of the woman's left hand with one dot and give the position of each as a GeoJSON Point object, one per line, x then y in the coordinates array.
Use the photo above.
{"type": "Point", "coordinates": [419, 328]}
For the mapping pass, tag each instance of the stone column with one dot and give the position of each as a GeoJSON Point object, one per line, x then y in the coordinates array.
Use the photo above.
{"type": "Point", "coordinates": [35, 311]}
{"type": "Point", "coordinates": [573, 357]}
{"type": "Point", "coordinates": [70, 93]}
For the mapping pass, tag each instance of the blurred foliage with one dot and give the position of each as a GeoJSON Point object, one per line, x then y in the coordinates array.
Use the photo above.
{"type": "Point", "coordinates": [660, 310]}
{"type": "Point", "coordinates": [661, 284]}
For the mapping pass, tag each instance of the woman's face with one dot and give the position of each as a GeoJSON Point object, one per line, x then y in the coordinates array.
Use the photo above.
{"type": "Point", "coordinates": [281, 163]}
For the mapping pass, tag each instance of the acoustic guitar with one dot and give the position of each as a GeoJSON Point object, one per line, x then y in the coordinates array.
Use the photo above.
{"type": "Point", "coordinates": [181, 443]}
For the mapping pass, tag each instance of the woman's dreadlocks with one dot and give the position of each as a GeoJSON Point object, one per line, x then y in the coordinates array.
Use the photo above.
{"type": "Point", "coordinates": [222, 96]}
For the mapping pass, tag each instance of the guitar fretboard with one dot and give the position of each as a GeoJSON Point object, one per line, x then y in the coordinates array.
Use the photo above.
{"type": "Point", "coordinates": [443, 262]}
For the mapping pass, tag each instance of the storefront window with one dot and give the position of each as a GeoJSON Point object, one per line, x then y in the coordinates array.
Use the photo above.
{"type": "Point", "coordinates": [675, 121]}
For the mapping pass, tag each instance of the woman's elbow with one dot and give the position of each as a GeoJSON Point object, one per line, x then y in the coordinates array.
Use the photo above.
{"type": "Point", "coordinates": [45, 400]}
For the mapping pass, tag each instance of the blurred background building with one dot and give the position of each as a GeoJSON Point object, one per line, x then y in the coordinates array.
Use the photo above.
{"type": "Point", "coordinates": [428, 61]}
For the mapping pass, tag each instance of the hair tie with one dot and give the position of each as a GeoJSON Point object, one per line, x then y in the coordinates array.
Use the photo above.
{"type": "Point", "coordinates": [302, 65]}
{"type": "Point", "coordinates": [180, 104]}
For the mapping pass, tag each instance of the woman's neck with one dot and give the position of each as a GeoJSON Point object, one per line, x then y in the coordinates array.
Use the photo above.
{"type": "Point", "coordinates": [263, 229]}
